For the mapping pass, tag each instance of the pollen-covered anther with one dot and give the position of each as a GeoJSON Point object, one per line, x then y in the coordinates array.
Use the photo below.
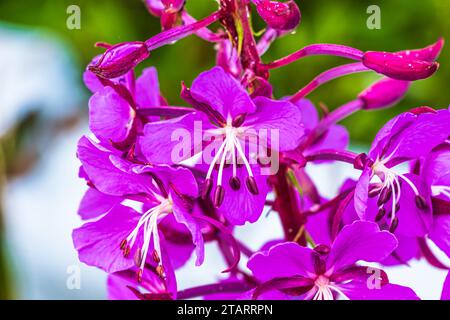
{"type": "Point", "coordinates": [139, 275]}
{"type": "Point", "coordinates": [160, 271]}
{"type": "Point", "coordinates": [155, 256]}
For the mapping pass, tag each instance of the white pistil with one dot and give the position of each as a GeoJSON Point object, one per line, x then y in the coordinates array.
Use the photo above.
{"type": "Point", "coordinates": [149, 223]}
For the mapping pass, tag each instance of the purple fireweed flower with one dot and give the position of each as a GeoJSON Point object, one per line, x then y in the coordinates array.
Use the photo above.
{"type": "Point", "coordinates": [163, 193]}
{"type": "Point", "coordinates": [408, 136]}
{"type": "Point", "coordinates": [279, 15]}
{"type": "Point", "coordinates": [229, 117]}
{"type": "Point", "coordinates": [119, 59]}
{"type": "Point", "coordinates": [326, 273]}
{"type": "Point", "coordinates": [436, 171]}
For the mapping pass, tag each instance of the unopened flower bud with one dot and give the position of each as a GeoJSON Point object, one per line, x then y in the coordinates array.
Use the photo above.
{"type": "Point", "coordinates": [279, 15]}
{"type": "Point", "coordinates": [173, 5]}
{"type": "Point", "coordinates": [120, 59]}
{"type": "Point", "coordinates": [430, 53]}
{"type": "Point", "coordinates": [397, 67]}
{"type": "Point", "coordinates": [384, 93]}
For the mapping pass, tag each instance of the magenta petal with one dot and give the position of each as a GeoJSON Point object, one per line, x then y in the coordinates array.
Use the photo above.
{"type": "Point", "coordinates": [361, 194]}
{"type": "Point", "coordinates": [282, 260]}
{"type": "Point", "coordinates": [98, 243]}
{"type": "Point", "coordinates": [440, 232]}
{"type": "Point", "coordinates": [420, 137]}
{"type": "Point", "coordinates": [171, 141]}
{"type": "Point", "coordinates": [279, 15]}
{"type": "Point", "coordinates": [446, 288]}
{"type": "Point", "coordinates": [95, 203]}
{"type": "Point", "coordinates": [362, 240]}
{"type": "Point", "coordinates": [356, 290]}
{"type": "Point", "coordinates": [412, 220]}
{"type": "Point", "coordinates": [117, 287]}
{"type": "Point", "coordinates": [336, 138]}
{"type": "Point", "coordinates": [436, 170]}
{"type": "Point", "coordinates": [182, 215]}
{"type": "Point", "coordinates": [279, 118]}
{"type": "Point", "coordinates": [147, 89]}
{"type": "Point", "coordinates": [408, 248]}
{"type": "Point", "coordinates": [106, 177]}
{"type": "Point", "coordinates": [429, 53]}
{"type": "Point", "coordinates": [110, 116]}
{"type": "Point", "coordinates": [310, 116]}
{"type": "Point", "coordinates": [222, 92]}
{"type": "Point", "coordinates": [241, 206]}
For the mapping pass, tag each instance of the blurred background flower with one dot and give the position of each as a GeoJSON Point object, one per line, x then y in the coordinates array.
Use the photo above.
{"type": "Point", "coordinates": [43, 106]}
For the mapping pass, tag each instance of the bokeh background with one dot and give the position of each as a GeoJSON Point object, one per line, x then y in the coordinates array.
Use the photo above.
{"type": "Point", "coordinates": [43, 107]}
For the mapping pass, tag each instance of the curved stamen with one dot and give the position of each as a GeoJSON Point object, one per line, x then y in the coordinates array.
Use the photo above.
{"type": "Point", "coordinates": [440, 189]}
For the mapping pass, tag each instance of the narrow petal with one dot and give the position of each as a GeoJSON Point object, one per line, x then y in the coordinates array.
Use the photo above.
{"type": "Point", "coordinates": [222, 92]}
{"type": "Point", "coordinates": [182, 215]}
{"type": "Point", "coordinates": [277, 117]}
{"type": "Point", "coordinates": [361, 193]}
{"type": "Point", "coordinates": [282, 260]}
{"type": "Point", "coordinates": [362, 240]}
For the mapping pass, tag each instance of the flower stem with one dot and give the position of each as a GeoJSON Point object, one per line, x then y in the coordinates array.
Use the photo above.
{"type": "Point", "coordinates": [327, 76]}
{"type": "Point", "coordinates": [177, 33]}
{"type": "Point", "coordinates": [336, 155]}
{"type": "Point", "coordinates": [315, 50]}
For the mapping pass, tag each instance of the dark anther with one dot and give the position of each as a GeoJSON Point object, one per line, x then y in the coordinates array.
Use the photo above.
{"type": "Point", "coordinates": [219, 194]}
{"type": "Point", "coordinates": [250, 182]}
{"type": "Point", "coordinates": [320, 265]}
{"type": "Point", "coordinates": [126, 251]}
{"type": "Point", "coordinates": [139, 275]}
{"type": "Point", "coordinates": [207, 188]}
{"type": "Point", "coordinates": [380, 215]}
{"type": "Point", "coordinates": [421, 203]}
{"type": "Point", "coordinates": [322, 249]}
{"type": "Point", "coordinates": [360, 161]}
{"type": "Point", "coordinates": [238, 120]}
{"type": "Point", "coordinates": [394, 225]}
{"type": "Point", "coordinates": [235, 183]}
{"type": "Point", "coordinates": [385, 195]}
{"type": "Point", "coordinates": [374, 191]}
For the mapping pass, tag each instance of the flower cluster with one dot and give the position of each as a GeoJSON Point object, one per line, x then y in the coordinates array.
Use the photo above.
{"type": "Point", "coordinates": [164, 180]}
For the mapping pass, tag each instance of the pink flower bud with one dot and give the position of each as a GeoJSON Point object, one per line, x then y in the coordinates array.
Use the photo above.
{"type": "Point", "coordinates": [279, 15]}
{"type": "Point", "coordinates": [120, 59]}
{"type": "Point", "coordinates": [430, 53]}
{"type": "Point", "coordinates": [397, 67]}
{"type": "Point", "coordinates": [383, 93]}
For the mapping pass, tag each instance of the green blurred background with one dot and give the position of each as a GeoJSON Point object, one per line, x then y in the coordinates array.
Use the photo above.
{"type": "Point", "coordinates": [404, 24]}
